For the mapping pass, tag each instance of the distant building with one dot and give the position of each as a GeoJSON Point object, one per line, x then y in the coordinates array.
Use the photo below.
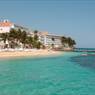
{"type": "Point", "coordinates": [50, 40]}
{"type": "Point", "coordinates": [6, 26]}
{"type": "Point", "coordinates": [53, 40]}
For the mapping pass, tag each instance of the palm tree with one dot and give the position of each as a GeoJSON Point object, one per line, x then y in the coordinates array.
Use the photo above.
{"type": "Point", "coordinates": [29, 41]}
{"type": "Point", "coordinates": [36, 38]}
{"type": "Point", "coordinates": [19, 34]}
{"type": "Point", "coordinates": [23, 38]}
{"type": "Point", "coordinates": [38, 45]}
{"type": "Point", "coordinates": [4, 37]}
{"type": "Point", "coordinates": [35, 31]}
{"type": "Point", "coordinates": [63, 40]}
{"type": "Point", "coordinates": [71, 42]}
{"type": "Point", "coordinates": [13, 34]}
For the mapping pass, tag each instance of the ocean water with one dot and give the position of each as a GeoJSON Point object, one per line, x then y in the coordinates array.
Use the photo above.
{"type": "Point", "coordinates": [67, 74]}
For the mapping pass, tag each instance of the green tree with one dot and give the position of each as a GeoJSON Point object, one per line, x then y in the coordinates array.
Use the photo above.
{"type": "Point", "coordinates": [19, 34]}
{"type": "Point", "coordinates": [13, 34]}
{"type": "Point", "coordinates": [35, 31]}
{"type": "Point", "coordinates": [71, 42]}
{"type": "Point", "coordinates": [39, 44]}
{"type": "Point", "coordinates": [29, 41]}
{"type": "Point", "coordinates": [4, 37]}
{"type": "Point", "coordinates": [63, 40]}
{"type": "Point", "coordinates": [23, 38]}
{"type": "Point", "coordinates": [36, 38]}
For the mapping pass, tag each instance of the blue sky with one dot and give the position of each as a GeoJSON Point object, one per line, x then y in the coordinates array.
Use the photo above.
{"type": "Point", "coordinates": [75, 18]}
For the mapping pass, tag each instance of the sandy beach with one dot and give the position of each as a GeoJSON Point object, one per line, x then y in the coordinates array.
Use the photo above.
{"type": "Point", "coordinates": [33, 53]}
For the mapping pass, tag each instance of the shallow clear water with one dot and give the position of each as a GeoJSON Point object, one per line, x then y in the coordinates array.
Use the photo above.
{"type": "Point", "coordinates": [68, 74]}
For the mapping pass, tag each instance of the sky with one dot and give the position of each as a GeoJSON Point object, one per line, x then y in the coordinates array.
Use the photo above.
{"type": "Point", "coordinates": [74, 18]}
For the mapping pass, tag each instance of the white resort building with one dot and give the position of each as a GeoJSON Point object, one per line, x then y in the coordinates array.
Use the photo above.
{"type": "Point", "coordinates": [50, 40]}
{"type": "Point", "coordinates": [45, 38]}
{"type": "Point", "coordinates": [6, 26]}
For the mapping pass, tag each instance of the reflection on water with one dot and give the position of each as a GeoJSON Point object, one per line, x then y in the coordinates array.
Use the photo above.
{"type": "Point", "coordinates": [85, 60]}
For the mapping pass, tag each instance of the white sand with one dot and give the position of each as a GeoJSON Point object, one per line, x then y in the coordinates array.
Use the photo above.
{"type": "Point", "coordinates": [9, 54]}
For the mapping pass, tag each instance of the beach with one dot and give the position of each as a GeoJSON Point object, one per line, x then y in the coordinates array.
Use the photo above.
{"type": "Point", "coordinates": [26, 53]}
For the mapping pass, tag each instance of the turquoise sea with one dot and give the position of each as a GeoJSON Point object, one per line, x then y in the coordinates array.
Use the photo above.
{"type": "Point", "coordinates": [67, 74]}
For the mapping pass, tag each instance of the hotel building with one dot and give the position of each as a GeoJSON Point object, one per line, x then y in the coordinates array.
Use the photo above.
{"type": "Point", "coordinates": [50, 40]}
{"type": "Point", "coordinates": [6, 26]}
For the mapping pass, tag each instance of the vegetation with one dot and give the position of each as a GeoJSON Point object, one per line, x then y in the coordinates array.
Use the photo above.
{"type": "Point", "coordinates": [18, 38]}
{"type": "Point", "coordinates": [15, 38]}
{"type": "Point", "coordinates": [67, 41]}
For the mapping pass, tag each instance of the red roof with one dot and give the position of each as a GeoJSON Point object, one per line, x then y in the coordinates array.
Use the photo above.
{"type": "Point", "coordinates": [6, 24]}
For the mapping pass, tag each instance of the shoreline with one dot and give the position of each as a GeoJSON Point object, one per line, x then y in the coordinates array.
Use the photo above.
{"type": "Point", "coordinates": [32, 53]}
